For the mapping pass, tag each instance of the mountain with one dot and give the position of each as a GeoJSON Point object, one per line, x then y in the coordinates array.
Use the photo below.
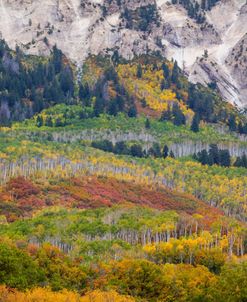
{"type": "Point", "coordinates": [123, 151]}
{"type": "Point", "coordinates": [205, 37]}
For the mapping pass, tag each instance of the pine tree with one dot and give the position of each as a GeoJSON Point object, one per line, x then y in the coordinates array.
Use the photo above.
{"type": "Point", "coordinates": [166, 115]}
{"type": "Point", "coordinates": [132, 111]}
{"type": "Point", "coordinates": [175, 73]}
{"type": "Point", "coordinates": [241, 161]}
{"type": "Point", "coordinates": [214, 155]}
{"type": "Point", "coordinates": [58, 123]}
{"type": "Point", "coordinates": [48, 122]}
{"type": "Point", "coordinates": [121, 148]}
{"type": "Point", "coordinates": [244, 160]}
{"type": "Point", "coordinates": [162, 85]}
{"type": "Point", "coordinates": [195, 123]}
{"type": "Point", "coordinates": [166, 71]}
{"type": "Point", "coordinates": [224, 158]}
{"type": "Point", "coordinates": [172, 154]}
{"type": "Point", "coordinates": [84, 94]}
{"type": "Point", "coordinates": [147, 124]}
{"type": "Point", "coordinates": [139, 71]}
{"type": "Point", "coordinates": [136, 150]}
{"type": "Point", "coordinates": [99, 106]}
{"type": "Point", "coordinates": [39, 121]}
{"type": "Point", "coordinates": [232, 123]}
{"type": "Point", "coordinates": [238, 163]}
{"type": "Point", "coordinates": [155, 150]}
{"type": "Point", "coordinates": [165, 151]}
{"type": "Point", "coordinates": [66, 81]}
{"type": "Point", "coordinates": [203, 157]}
{"type": "Point", "coordinates": [179, 118]}
{"type": "Point", "coordinates": [113, 108]}
{"type": "Point", "coordinates": [57, 59]}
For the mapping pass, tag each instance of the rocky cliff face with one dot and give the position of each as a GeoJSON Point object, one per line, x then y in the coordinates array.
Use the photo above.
{"type": "Point", "coordinates": [206, 51]}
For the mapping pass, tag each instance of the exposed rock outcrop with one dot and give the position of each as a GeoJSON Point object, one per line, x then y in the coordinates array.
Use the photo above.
{"type": "Point", "coordinates": [83, 27]}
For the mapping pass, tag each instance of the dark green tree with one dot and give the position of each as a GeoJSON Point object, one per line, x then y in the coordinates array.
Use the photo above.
{"type": "Point", "coordinates": [213, 155]}
{"type": "Point", "coordinates": [166, 71]}
{"type": "Point", "coordinates": [39, 121]}
{"type": "Point", "coordinates": [57, 59]}
{"type": "Point", "coordinates": [166, 115]}
{"type": "Point", "coordinates": [175, 73]}
{"type": "Point", "coordinates": [139, 71]}
{"type": "Point", "coordinates": [147, 124]}
{"type": "Point", "coordinates": [178, 116]}
{"type": "Point", "coordinates": [99, 106]}
{"type": "Point", "coordinates": [195, 123]}
{"type": "Point", "coordinates": [172, 154]}
{"type": "Point", "coordinates": [121, 148]}
{"type": "Point", "coordinates": [136, 150]}
{"type": "Point", "coordinates": [49, 122]}
{"type": "Point", "coordinates": [132, 111]}
{"type": "Point", "coordinates": [232, 123]}
{"type": "Point", "coordinates": [165, 151]}
{"type": "Point", "coordinates": [84, 94]}
{"type": "Point", "coordinates": [224, 158]}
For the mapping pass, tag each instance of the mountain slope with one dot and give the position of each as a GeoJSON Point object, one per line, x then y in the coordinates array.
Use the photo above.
{"type": "Point", "coordinates": [81, 28]}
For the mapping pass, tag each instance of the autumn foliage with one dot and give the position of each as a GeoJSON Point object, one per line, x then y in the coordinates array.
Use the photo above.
{"type": "Point", "coordinates": [91, 192]}
{"type": "Point", "coordinates": [46, 295]}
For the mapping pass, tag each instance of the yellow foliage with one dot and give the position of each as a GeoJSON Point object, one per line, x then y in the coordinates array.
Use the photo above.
{"type": "Point", "coordinates": [46, 295]}
{"type": "Point", "coordinates": [111, 296]}
{"type": "Point", "coordinates": [149, 248]}
{"type": "Point", "coordinates": [148, 88]}
{"type": "Point", "coordinates": [37, 295]}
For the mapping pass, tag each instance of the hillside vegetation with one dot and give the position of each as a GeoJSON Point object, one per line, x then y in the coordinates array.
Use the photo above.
{"type": "Point", "coordinates": [121, 182]}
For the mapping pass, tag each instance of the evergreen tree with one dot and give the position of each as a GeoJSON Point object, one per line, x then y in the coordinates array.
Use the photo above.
{"type": "Point", "coordinates": [232, 123]}
{"type": "Point", "coordinates": [155, 150]}
{"type": "Point", "coordinates": [166, 115]}
{"type": "Point", "coordinates": [120, 103]}
{"type": "Point", "coordinates": [136, 150]}
{"type": "Point", "coordinates": [175, 73]}
{"type": "Point", "coordinates": [241, 161]}
{"type": "Point", "coordinates": [99, 106]}
{"type": "Point", "coordinates": [113, 108]}
{"type": "Point", "coordinates": [147, 124]}
{"type": "Point", "coordinates": [195, 123]}
{"type": "Point", "coordinates": [115, 57]}
{"type": "Point", "coordinates": [66, 81]}
{"type": "Point", "coordinates": [203, 157]}
{"type": "Point", "coordinates": [104, 145]}
{"type": "Point", "coordinates": [165, 151]}
{"type": "Point", "coordinates": [57, 59]}
{"type": "Point", "coordinates": [48, 122]}
{"type": "Point", "coordinates": [121, 148]}
{"type": "Point", "coordinates": [240, 128]}
{"type": "Point", "coordinates": [39, 103]}
{"type": "Point", "coordinates": [238, 163]}
{"type": "Point", "coordinates": [58, 123]}
{"type": "Point", "coordinates": [213, 155]}
{"type": "Point", "coordinates": [50, 72]}
{"type": "Point", "coordinates": [39, 121]}
{"type": "Point", "coordinates": [84, 94]}
{"type": "Point", "coordinates": [132, 111]}
{"type": "Point", "coordinates": [139, 71]}
{"type": "Point", "coordinates": [244, 161]}
{"type": "Point", "coordinates": [224, 158]}
{"type": "Point", "coordinates": [172, 154]}
{"type": "Point", "coordinates": [162, 85]}
{"type": "Point", "coordinates": [166, 71]}
{"type": "Point", "coordinates": [179, 118]}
